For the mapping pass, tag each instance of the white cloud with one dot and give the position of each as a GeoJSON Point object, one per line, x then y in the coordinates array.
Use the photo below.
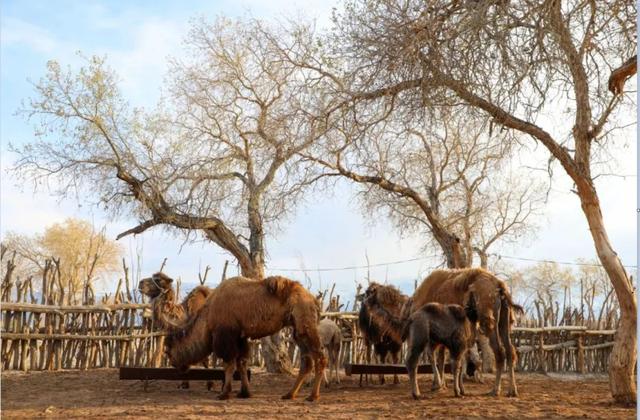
{"type": "Point", "coordinates": [143, 65]}
{"type": "Point", "coordinates": [16, 32]}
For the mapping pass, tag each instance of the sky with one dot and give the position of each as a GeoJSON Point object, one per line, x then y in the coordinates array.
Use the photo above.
{"type": "Point", "coordinates": [328, 232]}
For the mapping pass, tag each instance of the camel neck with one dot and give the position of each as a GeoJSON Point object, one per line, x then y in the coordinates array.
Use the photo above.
{"type": "Point", "coordinates": [165, 304]}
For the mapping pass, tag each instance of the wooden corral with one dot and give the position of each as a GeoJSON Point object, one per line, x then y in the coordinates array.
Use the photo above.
{"type": "Point", "coordinates": [53, 337]}
{"type": "Point", "coordinates": [50, 330]}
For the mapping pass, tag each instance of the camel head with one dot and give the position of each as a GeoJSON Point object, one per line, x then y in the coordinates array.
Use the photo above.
{"type": "Point", "coordinates": [370, 294]}
{"type": "Point", "coordinates": [156, 285]}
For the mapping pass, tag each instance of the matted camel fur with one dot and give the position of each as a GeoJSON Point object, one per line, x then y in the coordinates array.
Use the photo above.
{"type": "Point", "coordinates": [240, 309]}
{"type": "Point", "coordinates": [375, 328]}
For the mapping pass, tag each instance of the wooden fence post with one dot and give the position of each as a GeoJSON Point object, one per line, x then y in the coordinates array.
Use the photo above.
{"type": "Point", "coordinates": [580, 355]}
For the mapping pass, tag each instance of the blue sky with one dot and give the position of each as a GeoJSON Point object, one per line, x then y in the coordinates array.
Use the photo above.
{"type": "Point", "coordinates": [136, 37]}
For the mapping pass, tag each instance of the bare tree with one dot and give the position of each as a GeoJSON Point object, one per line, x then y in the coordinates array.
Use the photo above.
{"type": "Point", "coordinates": [522, 63]}
{"type": "Point", "coordinates": [433, 175]}
{"type": "Point", "coordinates": [218, 157]}
{"type": "Point", "coordinates": [596, 293]}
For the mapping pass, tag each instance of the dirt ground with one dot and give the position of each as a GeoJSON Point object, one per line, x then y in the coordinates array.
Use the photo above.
{"type": "Point", "coordinates": [99, 393]}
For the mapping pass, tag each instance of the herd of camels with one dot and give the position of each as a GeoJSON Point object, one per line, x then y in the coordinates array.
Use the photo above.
{"type": "Point", "coordinates": [445, 311]}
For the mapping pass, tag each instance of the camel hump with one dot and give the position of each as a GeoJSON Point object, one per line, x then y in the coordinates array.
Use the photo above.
{"type": "Point", "coordinates": [433, 308]}
{"type": "Point", "coordinates": [203, 291]}
{"type": "Point", "coordinates": [279, 286]}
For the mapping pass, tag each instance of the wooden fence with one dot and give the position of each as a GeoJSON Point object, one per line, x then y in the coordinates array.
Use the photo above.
{"type": "Point", "coordinates": [46, 327]}
{"type": "Point", "coordinates": [52, 337]}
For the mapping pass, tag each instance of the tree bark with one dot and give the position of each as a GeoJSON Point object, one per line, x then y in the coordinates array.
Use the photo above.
{"type": "Point", "coordinates": [623, 356]}
{"type": "Point", "coordinates": [274, 353]}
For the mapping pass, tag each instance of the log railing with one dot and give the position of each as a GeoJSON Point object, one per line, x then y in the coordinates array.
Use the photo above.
{"type": "Point", "coordinates": [52, 337]}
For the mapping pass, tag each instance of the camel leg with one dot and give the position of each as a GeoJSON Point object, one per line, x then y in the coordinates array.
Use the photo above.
{"type": "Point", "coordinates": [229, 368]}
{"type": "Point", "coordinates": [336, 362]}
{"type": "Point", "coordinates": [510, 350]}
{"type": "Point", "coordinates": [205, 364]}
{"type": "Point", "coordinates": [499, 353]}
{"type": "Point", "coordinates": [442, 354]}
{"type": "Point", "coordinates": [340, 361]}
{"type": "Point", "coordinates": [382, 359]}
{"type": "Point", "coordinates": [241, 365]}
{"type": "Point", "coordinates": [396, 358]}
{"type": "Point", "coordinates": [305, 368]}
{"type": "Point", "coordinates": [368, 357]}
{"type": "Point", "coordinates": [326, 379]}
{"type": "Point", "coordinates": [320, 363]}
{"type": "Point", "coordinates": [414, 352]}
{"type": "Point", "coordinates": [456, 370]}
{"type": "Point", "coordinates": [437, 382]}
{"type": "Point", "coordinates": [461, 375]}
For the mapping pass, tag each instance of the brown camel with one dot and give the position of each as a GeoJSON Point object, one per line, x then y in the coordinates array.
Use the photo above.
{"type": "Point", "coordinates": [159, 288]}
{"type": "Point", "coordinates": [374, 330]}
{"type": "Point", "coordinates": [241, 309]}
{"type": "Point", "coordinates": [494, 306]}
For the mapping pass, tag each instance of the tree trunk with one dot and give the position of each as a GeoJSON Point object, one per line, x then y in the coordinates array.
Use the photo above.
{"type": "Point", "coordinates": [623, 356]}
{"type": "Point", "coordinates": [488, 359]}
{"type": "Point", "coordinates": [274, 352]}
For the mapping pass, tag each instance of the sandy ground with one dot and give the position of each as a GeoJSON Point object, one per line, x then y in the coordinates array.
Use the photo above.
{"type": "Point", "coordinates": [99, 393]}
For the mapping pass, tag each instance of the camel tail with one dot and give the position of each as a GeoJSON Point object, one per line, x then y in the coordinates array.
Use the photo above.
{"type": "Point", "coordinates": [506, 299]}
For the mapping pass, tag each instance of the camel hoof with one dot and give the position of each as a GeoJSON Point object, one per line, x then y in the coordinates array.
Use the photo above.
{"type": "Point", "coordinates": [224, 396]}
{"type": "Point", "coordinates": [493, 393]}
{"type": "Point", "coordinates": [183, 385]}
{"type": "Point", "coordinates": [243, 393]}
{"type": "Point", "coordinates": [209, 386]}
{"type": "Point", "coordinates": [415, 396]}
{"type": "Point", "coordinates": [512, 393]}
{"type": "Point", "coordinates": [287, 396]}
{"type": "Point", "coordinates": [312, 398]}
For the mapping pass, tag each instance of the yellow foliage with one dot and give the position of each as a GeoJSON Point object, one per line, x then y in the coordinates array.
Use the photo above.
{"type": "Point", "coordinates": [85, 253]}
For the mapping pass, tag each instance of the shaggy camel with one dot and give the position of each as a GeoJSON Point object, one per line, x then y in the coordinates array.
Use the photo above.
{"type": "Point", "coordinates": [159, 288]}
{"type": "Point", "coordinates": [331, 340]}
{"type": "Point", "coordinates": [240, 309]}
{"type": "Point", "coordinates": [373, 330]}
{"type": "Point", "coordinates": [494, 306]}
{"type": "Point", "coordinates": [433, 325]}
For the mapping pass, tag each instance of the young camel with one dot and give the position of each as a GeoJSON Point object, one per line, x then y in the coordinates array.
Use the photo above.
{"type": "Point", "coordinates": [159, 288]}
{"type": "Point", "coordinates": [331, 340]}
{"type": "Point", "coordinates": [433, 325]}
{"type": "Point", "coordinates": [240, 309]}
